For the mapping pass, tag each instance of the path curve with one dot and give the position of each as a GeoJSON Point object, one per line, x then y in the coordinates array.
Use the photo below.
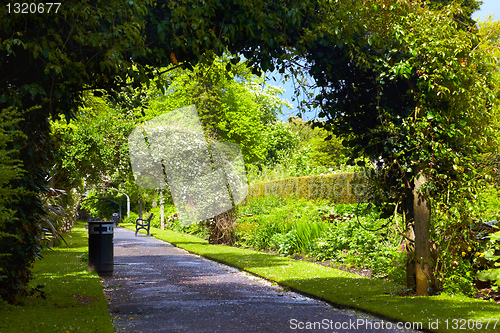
{"type": "Point", "coordinates": [157, 287]}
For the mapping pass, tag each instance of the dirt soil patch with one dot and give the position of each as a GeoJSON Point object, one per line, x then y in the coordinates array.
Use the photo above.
{"type": "Point", "coordinates": [488, 294]}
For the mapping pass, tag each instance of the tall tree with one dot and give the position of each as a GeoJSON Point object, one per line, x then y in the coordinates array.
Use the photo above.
{"type": "Point", "coordinates": [404, 87]}
{"type": "Point", "coordinates": [234, 105]}
{"type": "Point", "coordinates": [93, 147]}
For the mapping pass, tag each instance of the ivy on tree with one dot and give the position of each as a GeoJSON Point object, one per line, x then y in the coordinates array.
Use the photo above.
{"type": "Point", "coordinates": [406, 88]}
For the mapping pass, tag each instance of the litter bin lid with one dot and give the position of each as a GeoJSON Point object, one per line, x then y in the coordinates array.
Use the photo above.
{"type": "Point", "coordinates": [100, 227]}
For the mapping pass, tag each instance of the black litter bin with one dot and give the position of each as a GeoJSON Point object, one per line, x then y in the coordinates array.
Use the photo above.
{"type": "Point", "coordinates": [116, 218]}
{"type": "Point", "coordinates": [101, 247]}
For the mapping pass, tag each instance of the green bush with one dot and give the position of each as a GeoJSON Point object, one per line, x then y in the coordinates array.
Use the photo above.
{"type": "Point", "coordinates": [455, 249]}
{"type": "Point", "coordinates": [169, 210]}
{"type": "Point", "coordinates": [20, 213]}
{"type": "Point", "coordinates": [130, 219]}
{"type": "Point", "coordinates": [257, 231]}
{"type": "Point", "coordinates": [287, 225]}
{"type": "Point", "coordinates": [260, 219]}
{"type": "Point", "coordinates": [285, 244]}
{"type": "Point", "coordinates": [347, 242]}
{"type": "Point", "coordinates": [293, 225]}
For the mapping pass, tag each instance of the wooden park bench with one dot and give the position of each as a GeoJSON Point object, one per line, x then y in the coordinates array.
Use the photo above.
{"type": "Point", "coordinates": [143, 224]}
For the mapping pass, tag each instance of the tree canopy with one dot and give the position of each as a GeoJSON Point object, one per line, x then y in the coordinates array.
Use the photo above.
{"type": "Point", "coordinates": [234, 105]}
{"type": "Point", "coordinates": [49, 60]}
{"type": "Point", "coordinates": [403, 84]}
{"type": "Point", "coordinates": [464, 16]}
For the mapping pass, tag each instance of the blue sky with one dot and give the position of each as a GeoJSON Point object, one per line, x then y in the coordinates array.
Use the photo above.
{"type": "Point", "coordinates": [489, 7]}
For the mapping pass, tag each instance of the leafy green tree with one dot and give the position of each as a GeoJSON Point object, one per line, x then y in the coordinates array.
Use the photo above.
{"type": "Point", "coordinates": [407, 89]}
{"type": "Point", "coordinates": [234, 105]}
{"type": "Point", "coordinates": [326, 150]}
{"type": "Point", "coordinates": [10, 169]}
{"type": "Point", "coordinates": [282, 141]}
{"type": "Point", "coordinates": [49, 60]}
{"type": "Point", "coordinates": [93, 147]}
{"type": "Point", "coordinates": [92, 153]}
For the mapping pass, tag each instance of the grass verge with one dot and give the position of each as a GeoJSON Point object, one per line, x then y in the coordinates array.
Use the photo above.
{"type": "Point", "coordinates": [74, 297]}
{"type": "Point", "coordinates": [443, 313]}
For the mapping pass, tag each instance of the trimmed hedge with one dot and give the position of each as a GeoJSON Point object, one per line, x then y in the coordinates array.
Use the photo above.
{"type": "Point", "coordinates": [339, 188]}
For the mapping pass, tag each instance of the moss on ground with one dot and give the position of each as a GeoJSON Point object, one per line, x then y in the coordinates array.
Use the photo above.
{"type": "Point", "coordinates": [443, 313]}
{"type": "Point", "coordinates": [74, 296]}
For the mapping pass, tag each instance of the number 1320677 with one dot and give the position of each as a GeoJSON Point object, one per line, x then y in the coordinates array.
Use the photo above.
{"type": "Point", "coordinates": [33, 8]}
{"type": "Point", "coordinates": [463, 324]}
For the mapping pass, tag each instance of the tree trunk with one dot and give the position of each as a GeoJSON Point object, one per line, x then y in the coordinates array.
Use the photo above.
{"type": "Point", "coordinates": [140, 206]}
{"type": "Point", "coordinates": [162, 211]}
{"type": "Point", "coordinates": [423, 263]}
{"type": "Point", "coordinates": [410, 241]}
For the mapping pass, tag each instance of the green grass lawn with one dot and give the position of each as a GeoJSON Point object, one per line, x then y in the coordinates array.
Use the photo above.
{"type": "Point", "coordinates": [74, 296]}
{"type": "Point", "coordinates": [444, 312]}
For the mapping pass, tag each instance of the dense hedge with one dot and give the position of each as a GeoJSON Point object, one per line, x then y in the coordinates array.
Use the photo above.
{"type": "Point", "coordinates": [340, 188]}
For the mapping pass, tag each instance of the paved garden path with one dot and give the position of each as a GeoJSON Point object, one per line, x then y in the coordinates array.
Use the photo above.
{"type": "Point", "coordinates": [157, 287]}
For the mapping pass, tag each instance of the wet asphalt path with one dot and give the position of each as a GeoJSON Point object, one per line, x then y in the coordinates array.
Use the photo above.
{"type": "Point", "coordinates": [157, 287]}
